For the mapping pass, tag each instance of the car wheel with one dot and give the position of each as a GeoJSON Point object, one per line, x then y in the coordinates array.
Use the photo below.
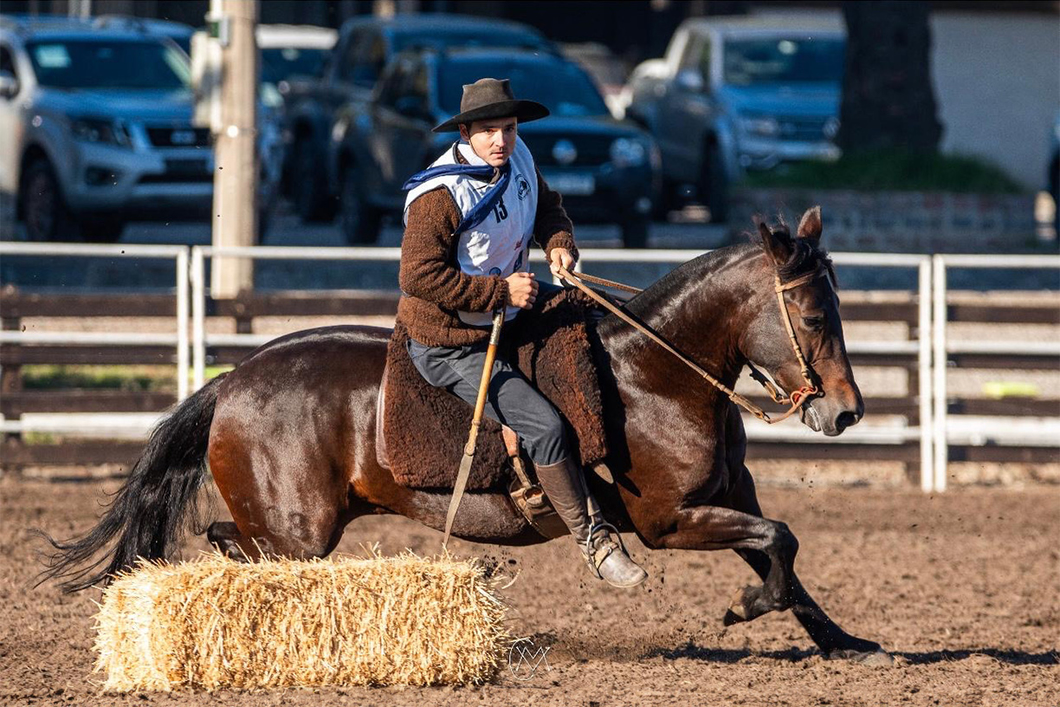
{"type": "Point", "coordinates": [310, 192]}
{"type": "Point", "coordinates": [714, 188]}
{"type": "Point", "coordinates": [264, 221]}
{"type": "Point", "coordinates": [357, 219]}
{"type": "Point", "coordinates": [43, 208]}
{"type": "Point", "coordinates": [635, 231]}
{"type": "Point", "coordinates": [102, 230]}
{"type": "Point", "coordinates": [668, 200]}
{"type": "Point", "coordinates": [267, 199]}
{"type": "Point", "coordinates": [1054, 189]}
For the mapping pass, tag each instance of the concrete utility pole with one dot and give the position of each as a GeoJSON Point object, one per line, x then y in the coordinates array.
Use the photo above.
{"type": "Point", "coordinates": [235, 184]}
{"type": "Point", "coordinates": [79, 8]}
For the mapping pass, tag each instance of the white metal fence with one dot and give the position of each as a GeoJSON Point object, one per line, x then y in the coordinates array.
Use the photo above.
{"type": "Point", "coordinates": [179, 338]}
{"type": "Point", "coordinates": [934, 432]}
{"type": "Point", "coordinates": [945, 433]}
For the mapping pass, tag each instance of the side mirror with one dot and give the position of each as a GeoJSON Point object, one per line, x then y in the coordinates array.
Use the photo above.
{"type": "Point", "coordinates": [690, 80]}
{"type": "Point", "coordinates": [8, 84]}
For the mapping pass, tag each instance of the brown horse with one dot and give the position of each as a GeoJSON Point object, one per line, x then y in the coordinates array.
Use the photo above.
{"type": "Point", "coordinates": [289, 435]}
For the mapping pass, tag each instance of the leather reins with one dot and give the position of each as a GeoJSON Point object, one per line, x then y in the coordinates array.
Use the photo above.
{"type": "Point", "coordinates": [796, 399]}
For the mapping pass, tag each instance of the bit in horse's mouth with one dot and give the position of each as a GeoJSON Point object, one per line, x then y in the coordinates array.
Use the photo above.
{"type": "Point", "coordinates": [810, 418]}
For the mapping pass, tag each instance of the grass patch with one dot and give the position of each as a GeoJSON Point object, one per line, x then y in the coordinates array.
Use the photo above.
{"type": "Point", "coordinates": [136, 378]}
{"type": "Point", "coordinates": [891, 170]}
{"type": "Point", "coordinates": [129, 378]}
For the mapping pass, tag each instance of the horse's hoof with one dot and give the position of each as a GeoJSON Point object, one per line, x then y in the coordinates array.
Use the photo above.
{"type": "Point", "coordinates": [878, 658]}
{"type": "Point", "coordinates": [738, 608]}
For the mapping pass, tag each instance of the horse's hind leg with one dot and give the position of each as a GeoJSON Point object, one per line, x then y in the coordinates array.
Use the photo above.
{"type": "Point", "coordinates": [225, 536]}
{"type": "Point", "coordinates": [294, 505]}
{"type": "Point", "coordinates": [829, 637]}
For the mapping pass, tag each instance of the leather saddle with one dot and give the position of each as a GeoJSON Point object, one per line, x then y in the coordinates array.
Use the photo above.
{"type": "Point", "coordinates": [525, 493]}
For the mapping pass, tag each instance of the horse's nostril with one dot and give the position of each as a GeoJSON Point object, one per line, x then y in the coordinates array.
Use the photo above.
{"type": "Point", "coordinates": [846, 419]}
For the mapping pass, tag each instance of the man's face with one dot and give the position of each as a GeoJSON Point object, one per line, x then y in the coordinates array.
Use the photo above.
{"type": "Point", "coordinates": [492, 140]}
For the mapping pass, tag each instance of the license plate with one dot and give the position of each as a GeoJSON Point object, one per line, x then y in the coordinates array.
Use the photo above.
{"type": "Point", "coordinates": [573, 184]}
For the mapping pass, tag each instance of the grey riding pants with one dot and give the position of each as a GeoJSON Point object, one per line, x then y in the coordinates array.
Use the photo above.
{"type": "Point", "coordinates": [510, 399]}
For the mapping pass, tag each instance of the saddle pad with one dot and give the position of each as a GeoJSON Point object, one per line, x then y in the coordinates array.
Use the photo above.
{"type": "Point", "coordinates": [425, 428]}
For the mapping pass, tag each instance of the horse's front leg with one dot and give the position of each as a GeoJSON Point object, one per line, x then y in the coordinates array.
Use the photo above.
{"type": "Point", "coordinates": [829, 637]}
{"type": "Point", "coordinates": [717, 528]}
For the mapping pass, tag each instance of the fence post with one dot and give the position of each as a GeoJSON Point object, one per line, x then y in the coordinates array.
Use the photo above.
{"type": "Point", "coordinates": [198, 325]}
{"type": "Point", "coordinates": [941, 360]}
{"type": "Point", "coordinates": [182, 324]}
{"type": "Point", "coordinates": [924, 374]}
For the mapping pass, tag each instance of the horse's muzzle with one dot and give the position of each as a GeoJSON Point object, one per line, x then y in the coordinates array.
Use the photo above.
{"type": "Point", "coordinates": [816, 415]}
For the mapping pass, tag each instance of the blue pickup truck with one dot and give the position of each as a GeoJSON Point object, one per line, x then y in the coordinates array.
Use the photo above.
{"type": "Point", "coordinates": [737, 94]}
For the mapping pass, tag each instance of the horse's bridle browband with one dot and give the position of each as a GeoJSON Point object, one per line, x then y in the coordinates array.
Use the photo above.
{"type": "Point", "coordinates": [795, 400]}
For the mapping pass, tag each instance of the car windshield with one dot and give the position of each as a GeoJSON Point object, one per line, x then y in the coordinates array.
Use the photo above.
{"type": "Point", "coordinates": [477, 38]}
{"type": "Point", "coordinates": [281, 63]}
{"type": "Point", "coordinates": [563, 87]}
{"type": "Point", "coordinates": [102, 64]}
{"type": "Point", "coordinates": [783, 60]}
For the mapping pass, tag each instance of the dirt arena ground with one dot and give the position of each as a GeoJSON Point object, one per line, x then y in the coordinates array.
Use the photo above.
{"type": "Point", "coordinates": [964, 588]}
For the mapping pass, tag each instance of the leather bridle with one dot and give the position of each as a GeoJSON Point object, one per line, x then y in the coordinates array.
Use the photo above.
{"type": "Point", "coordinates": [795, 400]}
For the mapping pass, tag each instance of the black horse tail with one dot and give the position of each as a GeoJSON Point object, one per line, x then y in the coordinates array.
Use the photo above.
{"type": "Point", "coordinates": [151, 510]}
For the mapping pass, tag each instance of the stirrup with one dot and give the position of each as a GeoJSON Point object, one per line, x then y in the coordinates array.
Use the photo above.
{"type": "Point", "coordinates": [590, 556]}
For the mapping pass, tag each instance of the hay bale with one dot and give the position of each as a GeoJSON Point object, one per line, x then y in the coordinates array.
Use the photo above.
{"type": "Point", "coordinates": [216, 623]}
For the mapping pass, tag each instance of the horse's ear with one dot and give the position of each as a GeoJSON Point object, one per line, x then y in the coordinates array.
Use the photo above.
{"type": "Point", "coordinates": [810, 225]}
{"type": "Point", "coordinates": [778, 243]}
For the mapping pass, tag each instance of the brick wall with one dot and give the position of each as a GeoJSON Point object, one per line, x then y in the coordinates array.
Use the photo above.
{"type": "Point", "coordinates": [900, 222]}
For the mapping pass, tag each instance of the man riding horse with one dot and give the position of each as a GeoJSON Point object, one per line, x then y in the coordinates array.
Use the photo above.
{"type": "Point", "coordinates": [469, 219]}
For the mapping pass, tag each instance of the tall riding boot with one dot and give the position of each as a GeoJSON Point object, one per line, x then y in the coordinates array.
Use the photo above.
{"type": "Point", "coordinates": [564, 485]}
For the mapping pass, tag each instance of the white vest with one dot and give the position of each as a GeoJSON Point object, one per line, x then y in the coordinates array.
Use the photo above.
{"type": "Point", "coordinates": [502, 240]}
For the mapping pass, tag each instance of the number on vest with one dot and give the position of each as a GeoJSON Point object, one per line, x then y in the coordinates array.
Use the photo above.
{"type": "Point", "coordinates": [500, 211]}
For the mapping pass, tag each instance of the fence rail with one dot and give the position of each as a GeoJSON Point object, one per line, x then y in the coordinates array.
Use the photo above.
{"type": "Point", "coordinates": [925, 440]}
{"type": "Point", "coordinates": [973, 354]}
{"type": "Point", "coordinates": [179, 254]}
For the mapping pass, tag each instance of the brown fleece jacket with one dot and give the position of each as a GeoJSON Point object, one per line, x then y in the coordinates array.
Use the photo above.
{"type": "Point", "coordinates": [433, 286]}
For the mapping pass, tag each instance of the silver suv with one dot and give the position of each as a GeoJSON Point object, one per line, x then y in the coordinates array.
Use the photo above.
{"type": "Point", "coordinates": [95, 123]}
{"type": "Point", "coordinates": [739, 94]}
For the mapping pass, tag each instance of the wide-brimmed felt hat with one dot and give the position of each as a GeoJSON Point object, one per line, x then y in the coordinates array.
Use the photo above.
{"type": "Point", "coordinates": [491, 98]}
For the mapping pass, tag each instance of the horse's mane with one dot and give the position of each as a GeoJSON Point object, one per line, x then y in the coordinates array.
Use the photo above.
{"type": "Point", "coordinates": [683, 277]}
{"type": "Point", "coordinates": [806, 256]}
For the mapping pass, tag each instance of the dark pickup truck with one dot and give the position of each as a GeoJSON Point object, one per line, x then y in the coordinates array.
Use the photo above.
{"type": "Point", "coordinates": [606, 169]}
{"type": "Point", "coordinates": [365, 46]}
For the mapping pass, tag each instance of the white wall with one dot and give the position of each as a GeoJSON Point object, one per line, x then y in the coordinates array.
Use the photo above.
{"type": "Point", "coordinates": [997, 82]}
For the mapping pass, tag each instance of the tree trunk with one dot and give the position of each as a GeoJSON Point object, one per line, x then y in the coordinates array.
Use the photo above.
{"type": "Point", "coordinates": [888, 98]}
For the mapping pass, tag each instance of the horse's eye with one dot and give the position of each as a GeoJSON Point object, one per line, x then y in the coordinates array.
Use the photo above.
{"type": "Point", "coordinates": [813, 323]}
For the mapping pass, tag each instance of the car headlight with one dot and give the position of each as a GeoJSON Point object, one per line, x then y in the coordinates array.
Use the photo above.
{"type": "Point", "coordinates": [760, 127]}
{"type": "Point", "coordinates": [270, 95]}
{"type": "Point", "coordinates": [831, 128]}
{"type": "Point", "coordinates": [100, 130]}
{"type": "Point", "coordinates": [627, 153]}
